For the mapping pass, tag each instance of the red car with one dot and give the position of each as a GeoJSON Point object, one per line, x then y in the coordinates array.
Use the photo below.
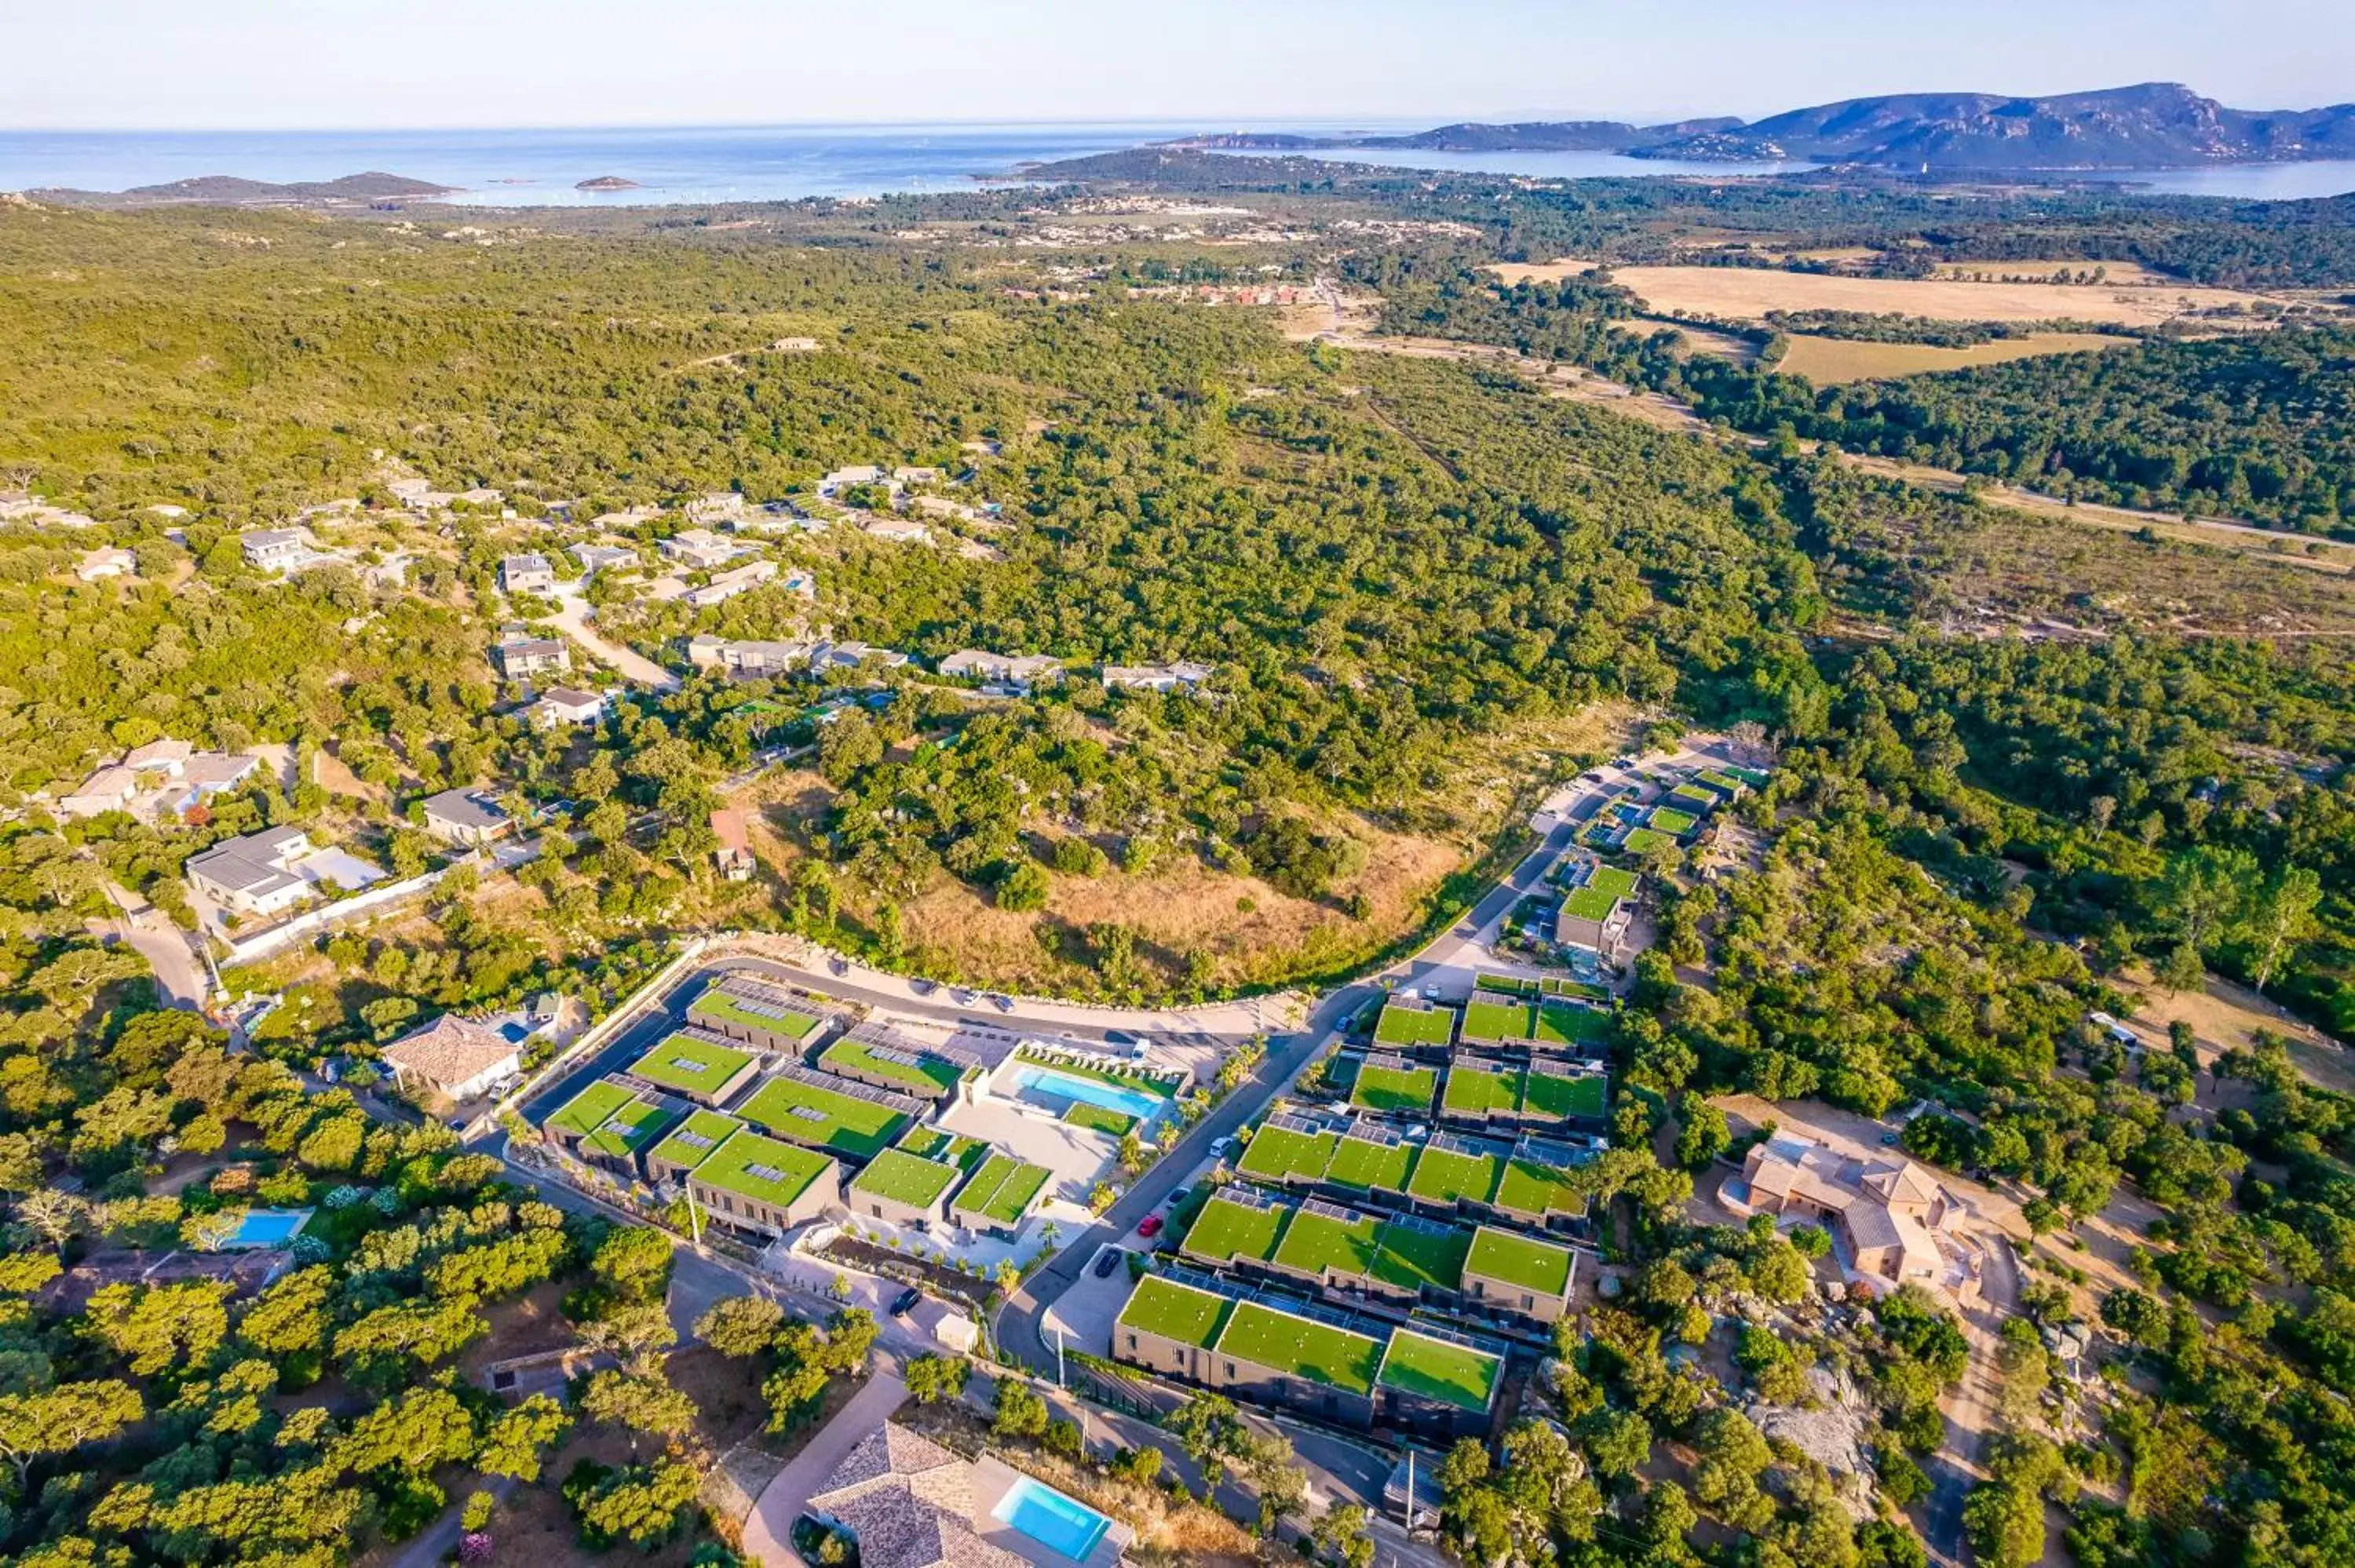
{"type": "Point", "coordinates": [1149, 1227]}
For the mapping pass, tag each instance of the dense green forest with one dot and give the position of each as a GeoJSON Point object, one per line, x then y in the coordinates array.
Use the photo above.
{"type": "Point", "coordinates": [2252, 427]}
{"type": "Point", "coordinates": [1969, 841]}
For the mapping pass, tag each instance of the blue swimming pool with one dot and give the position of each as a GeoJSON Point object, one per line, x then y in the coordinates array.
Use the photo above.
{"type": "Point", "coordinates": [1138, 1103]}
{"type": "Point", "coordinates": [1050, 1519]}
{"type": "Point", "coordinates": [267, 1227]}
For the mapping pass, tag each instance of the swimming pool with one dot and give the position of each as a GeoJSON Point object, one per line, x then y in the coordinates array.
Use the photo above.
{"type": "Point", "coordinates": [267, 1227]}
{"type": "Point", "coordinates": [1139, 1103]}
{"type": "Point", "coordinates": [1055, 1521]}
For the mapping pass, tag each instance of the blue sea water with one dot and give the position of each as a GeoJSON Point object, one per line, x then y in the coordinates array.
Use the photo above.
{"type": "Point", "coordinates": [779, 163]}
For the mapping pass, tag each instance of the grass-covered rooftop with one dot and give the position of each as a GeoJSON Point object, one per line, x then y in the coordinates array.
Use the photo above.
{"type": "Point", "coordinates": [1228, 1228]}
{"type": "Point", "coordinates": [903, 1177]}
{"type": "Point", "coordinates": [1411, 1021]}
{"type": "Point", "coordinates": [636, 1125]}
{"type": "Point", "coordinates": [690, 1143]}
{"type": "Point", "coordinates": [1559, 1092]}
{"type": "Point", "coordinates": [838, 1123]}
{"type": "Point", "coordinates": [691, 1065]}
{"type": "Point", "coordinates": [1364, 1163]}
{"type": "Point", "coordinates": [747, 1013]}
{"type": "Point", "coordinates": [1518, 1260]}
{"type": "Point", "coordinates": [1412, 1256]}
{"type": "Point", "coordinates": [1489, 1018]}
{"type": "Point", "coordinates": [1318, 1245]}
{"type": "Point", "coordinates": [1174, 1311]}
{"type": "Point", "coordinates": [765, 1170]}
{"type": "Point", "coordinates": [1301, 1347]}
{"type": "Point", "coordinates": [1277, 1152]}
{"type": "Point", "coordinates": [1002, 1188]}
{"type": "Point", "coordinates": [1476, 1090]}
{"type": "Point", "coordinates": [1436, 1369]}
{"type": "Point", "coordinates": [1526, 1187]}
{"type": "Point", "coordinates": [924, 1074]}
{"type": "Point", "coordinates": [1385, 1087]}
{"type": "Point", "coordinates": [585, 1112]}
{"type": "Point", "coordinates": [1444, 1175]}
{"type": "Point", "coordinates": [1567, 1024]}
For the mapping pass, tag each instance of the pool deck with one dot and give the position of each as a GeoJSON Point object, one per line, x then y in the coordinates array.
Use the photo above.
{"type": "Point", "coordinates": [992, 1479]}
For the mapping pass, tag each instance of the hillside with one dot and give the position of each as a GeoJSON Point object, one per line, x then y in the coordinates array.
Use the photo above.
{"type": "Point", "coordinates": [2156, 125]}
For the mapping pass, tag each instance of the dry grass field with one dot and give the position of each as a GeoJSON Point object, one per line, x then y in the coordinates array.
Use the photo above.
{"type": "Point", "coordinates": [1747, 294]}
{"type": "Point", "coordinates": [1828, 361]}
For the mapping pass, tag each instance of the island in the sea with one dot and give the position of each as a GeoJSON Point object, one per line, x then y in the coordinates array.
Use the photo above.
{"type": "Point", "coordinates": [607, 183]}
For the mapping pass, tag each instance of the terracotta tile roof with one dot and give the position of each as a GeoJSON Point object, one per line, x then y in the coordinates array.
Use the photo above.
{"type": "Point", "coordinates": [449, 1050]}
{"type": "Point", "coordinates": [908, 1501]}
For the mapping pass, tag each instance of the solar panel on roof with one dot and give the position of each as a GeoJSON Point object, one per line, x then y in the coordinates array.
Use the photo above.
{"type": "Point", "coordinates": [889, 1054]}
{"type": "Point", "coordinates": [809, 1112]}
{"type": "Point", "coordinates": [695, 1140]}
{"type": "Point", "coordinates": [765, 1173]}
{"type": "Point", "coordinates": [687, 1065]}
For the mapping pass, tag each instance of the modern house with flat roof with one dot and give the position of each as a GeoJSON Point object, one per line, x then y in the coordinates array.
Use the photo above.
{"type": "Point", "coordinates": [522, 658]}
{"type": "Point", "coordinates": [527, 574]}
{"type": "Point", "coordinates": [1000, 1195]}
{"type": "Point", "coordinates": [901, 1189]}
{"type": "Point", "coordinates": [274, 870]}
{"type": "Point", "coordinates": [1154, 677]}
{"type": "Point", "coordinates": [748, 660]}
{"type": "Point", "coordinates": [1329, 1365]}
{"type": "Point", "coordinates": [110, 789]}
{"type": "Point", "coordinates": [766, 1017]}
{"type": "Point", "coordinates": [595, 559]}
{"type": "Point", "coordinates": [701, 549]}
{"type": "Point", "coordinates": [1014, 672]}
{"type": "Point", "coordinates": [845, 1118]}
{"type": "Point", "coordinates": [1519, 1275]}
{"type": "Point", "coordinates": [470, 817]}
{"type": "Point", "coordinates": [1597, 912]}
{"type": "Point", "coordinates": [688, 1145]}
{"type": "Point", "coordinates": [612, 1123]}
{"type": "Point", "coordinates": [763, 1187]}
{"type": "Point", "coordinates": [698, 1064]}
{"type": "Point", "coordinates": [560, 706]}
{"type": "Point", "coordinates": [452, 1056]}
{"type": "Point", "coordinates": [888, 1058]}
{"type": "Point", "coordinates": [274, 549]}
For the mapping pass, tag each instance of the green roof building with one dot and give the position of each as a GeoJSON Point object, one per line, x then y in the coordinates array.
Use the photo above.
{"type": "Point", "coordinates": [763, 1187]}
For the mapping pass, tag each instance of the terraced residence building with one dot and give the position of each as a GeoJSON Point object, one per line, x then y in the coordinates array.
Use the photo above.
{"type": "Point", "coordinates": [698, 1064]}
{"type": "Point", "coordinates": [769, 1018]}
{"type": "Point", "coordinates": [818, 1110]}
{"type": "Point", "coordinates": [1398, 1259]}
{"type": "Point", "coordinates": [902, 1189]}
{"type": "Point", "coordinates": [1448, 1176]}
{"type": "Point", "coordinates": [887, 1058]}
{"type": "Point", "coordinates": [1517, 1274]}
{"type": "Point", "coordinates": [686, 1146]}
{"type": "Point", "coordinates": [1000, 1196]}
{"type": "Point", "coordinates": [760, 1187]}
{"type": "Point", "coordinates": [612, 1123]}
{"type": "Point", "coordinates": [1320, 1363]}
{"type": "Point", "coordinates": [1492, 1094]}
{"type": "Point", "coordinates": [1597, 912]}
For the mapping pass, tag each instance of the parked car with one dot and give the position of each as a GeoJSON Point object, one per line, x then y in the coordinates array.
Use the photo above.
{"type": "Point", "coordinates": [1223, 1147]}
{"type": "Point", "coordinates": [905, 1302]}
{"type": "Point", "coordinates": [1149, 1227]}
{"type": "Point", "coordinates": [1108, 1260]}
{"type": "Point", "coordinates": [1431, 993]}
{"type": "Point", "coordinates": [1180, 1195]}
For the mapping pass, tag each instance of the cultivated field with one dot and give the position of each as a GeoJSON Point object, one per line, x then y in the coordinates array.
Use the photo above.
{"type": "Point", "coordinates": [1829, 360]}
{"type": "Point", "coordinates": [1747, 294]}
{"type": "Point", "coordinates": [2128, 272]}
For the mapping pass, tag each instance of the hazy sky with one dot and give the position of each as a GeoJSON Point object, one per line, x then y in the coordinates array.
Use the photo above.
{"type": "Point", "coordinates": [429, 63]}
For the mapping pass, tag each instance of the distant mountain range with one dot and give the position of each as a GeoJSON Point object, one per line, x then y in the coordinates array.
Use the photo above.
{"type": "Point", "coordinates": [2159, 125]}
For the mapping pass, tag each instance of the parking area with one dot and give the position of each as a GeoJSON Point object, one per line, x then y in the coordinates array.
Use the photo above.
{"type": "Point", "coordinates": [1086, 1312]}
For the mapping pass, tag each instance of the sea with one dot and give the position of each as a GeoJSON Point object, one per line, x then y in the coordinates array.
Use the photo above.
{"type": "Point", "coordinates": [514, 168]}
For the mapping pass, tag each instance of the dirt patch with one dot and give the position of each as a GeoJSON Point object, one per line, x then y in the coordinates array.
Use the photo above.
{"type": "Point", "coordinates": [1830, 361]}
{"type": "Point", "coordinates": [328, 772]}
{"type": "Point", "coordinates": [2227, 1017]}
{"type": "Point", "coordinates": [1706, 340]}
{"type": "Point", "coordinates": [1747, 294]}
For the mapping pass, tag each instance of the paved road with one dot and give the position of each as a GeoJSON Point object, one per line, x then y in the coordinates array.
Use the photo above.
{"type": "Point", "coordinates": [179, 976]}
